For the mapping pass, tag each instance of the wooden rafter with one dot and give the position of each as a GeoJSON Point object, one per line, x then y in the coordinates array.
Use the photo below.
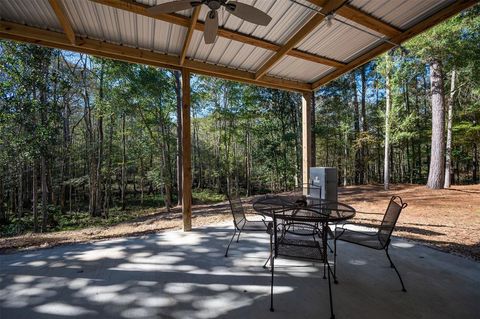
{"type": "Point", "coordinates": [363, 18]}
{"type": "Point", "coordinates": [62, 17]}
{"type": "Point", "coordinates": [440, 16]}
{"type": "Point", "coordinates": [141, 9]}
{"type": "Point", "coordinates": [188, 37]}
{"type": "Point", "coordinates": [14, 31]}
{"type": "Point", "coordinates": [369, 21]}
{"type": "Point", "coordinates": [308, 27]}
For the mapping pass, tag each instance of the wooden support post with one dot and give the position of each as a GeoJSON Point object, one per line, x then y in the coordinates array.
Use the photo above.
{"type": "Point", "coordinates": [313, 155]}
{"type": "Point", "coordinates": [186, 149]}
{"type": "Point", "coordinates": [306, 136]}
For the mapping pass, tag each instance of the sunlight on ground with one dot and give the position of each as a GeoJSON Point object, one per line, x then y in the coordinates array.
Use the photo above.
{"type": "Point", "coordinates": [62, 309]}
{"type": "Point", "coordinates": [160, 276]}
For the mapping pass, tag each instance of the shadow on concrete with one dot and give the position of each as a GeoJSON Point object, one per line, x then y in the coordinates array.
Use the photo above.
{"type": "Point", "coordinates": [184, 275]}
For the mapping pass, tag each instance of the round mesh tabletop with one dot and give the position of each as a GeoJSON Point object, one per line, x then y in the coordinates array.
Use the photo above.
{"type": "Point", "coordinates": [303, 207]}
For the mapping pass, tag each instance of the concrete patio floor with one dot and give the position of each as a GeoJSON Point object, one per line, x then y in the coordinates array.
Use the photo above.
{"type": "Point", "coordinates": [184, 275]}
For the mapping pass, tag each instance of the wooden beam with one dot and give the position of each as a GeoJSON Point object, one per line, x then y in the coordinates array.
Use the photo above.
{"type": "Point", "coordinates": [141, 9]}
{"type": "Point", "coordinates": [306, 136]}
{"type": "Point", "coordinates": [301, 34]}
{"type": "Point", "coordinates": [62, 17]}
{"type": "Point", "coordinates": [354, 14]}
{"type": "Point", "coordinates": [14, 31]}
{"type": "Point", "coordinates": [187, 153]}
{"type": "Point", "coordinates": [426, 24]}
{"type": "Point", "coordinates": [244, 76]}
{"type": "Point", "coordinates": [315, 58]}
{"type": "Point", "coordinates": [367, 20]}
{"type": "Point", "coordinates": [188, 37]}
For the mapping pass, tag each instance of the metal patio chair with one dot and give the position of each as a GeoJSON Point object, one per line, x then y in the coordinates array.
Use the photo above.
{"type": "Point", "coordinates": [293, 235]}
{"type": "Point", "coordinates": [379, 240]}
{"type": "Point", "coordinates": [309, 192]}
{"type": "Point", "coordinates": [240, 221]}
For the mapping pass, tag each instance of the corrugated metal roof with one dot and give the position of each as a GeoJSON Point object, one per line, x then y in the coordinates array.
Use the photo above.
{"type": "Point", "coordinates": [34, 13]}
{"type": "Point", "coordinates": [338, 41]}
{"type": "Point", "coordinates": [296, 69]}
{"type": "Point", "coordinates": [401, 13]}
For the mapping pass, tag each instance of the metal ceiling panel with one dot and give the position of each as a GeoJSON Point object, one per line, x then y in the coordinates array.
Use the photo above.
{"type": "Point", "coordinates": [299, 70]}
{"type": "Point", "coordinates": [227, 52]}
{"type": "Point", "coordinates": [121, 27]}
{"type": "Point", "coordinates": [401, 13]}
{"type": "Point", "coordinates": [338, 41]}
{"type": "Point", "coordinates": [36, 13]}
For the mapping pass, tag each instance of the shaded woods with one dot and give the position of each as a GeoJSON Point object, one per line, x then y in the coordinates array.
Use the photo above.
{"type": "Point", "coordinates": [83, 137]}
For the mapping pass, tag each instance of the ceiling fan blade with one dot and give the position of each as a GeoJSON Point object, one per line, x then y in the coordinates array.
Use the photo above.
{"type": "Point", "coordinates": [170, 7]}
{"type": "Point", "coordinates": [248, 13]}
{"type": "Point", "coordinates": [211, 27]}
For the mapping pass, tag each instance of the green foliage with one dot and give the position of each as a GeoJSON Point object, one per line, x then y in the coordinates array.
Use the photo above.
{"type": "Point", "coordinates": [108, 129]}
{"type": "Point", "coordinates": [206, 196]}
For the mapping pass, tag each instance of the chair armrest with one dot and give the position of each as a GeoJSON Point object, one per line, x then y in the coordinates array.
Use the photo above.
{"type": "Point", "coordinates": [343, 229]}
{"type": "Point", "coordinates": [270, 228]}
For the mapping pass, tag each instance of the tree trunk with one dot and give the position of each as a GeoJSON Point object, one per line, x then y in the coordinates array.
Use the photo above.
{"type": "Point", "coordinates": [178, 91]}
{"type": "Point", "coordinates": [345, 154]}
{"type": "Point", "coordinates": [124, 163]}
{"type": "Point", "coordinates": [356, 115]}
{"type": "Point", "coordinates": [475, 163]}
{"type": "Point", "coordinates": [364, 150]}
{"type": "Point", "coordinates": [448, 153]}
{"type": "Point", "coordinates": [108, 186]}
{"type": "Point", "coordinates": [35, 196]}
{"type": "Point", "coordinates": [248, 159]}
{"type": "Point", "coordinates": [313, 141]}
{"type": "Point", "coordinates": [99, 177]}
{"type": "Point", "coordinates": [3, 215]}
{"type": "Point", "coordinates": [43, 178]}
{"type": "Point", "coordinates": [65, 176]}
{"type": "Point", "coordinates": [388, 105]}
{"type": "Point", "coordinates": [20, 192]}
{"type": "Point", "coordinates": [436, 175]}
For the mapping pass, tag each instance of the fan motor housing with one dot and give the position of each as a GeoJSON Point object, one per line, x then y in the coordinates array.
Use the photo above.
{"type": "Point", "coordinates": [214, 4]}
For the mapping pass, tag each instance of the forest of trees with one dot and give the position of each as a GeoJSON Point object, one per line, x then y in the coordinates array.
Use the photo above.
{"type": "Point", "coordinates": [91, 135]}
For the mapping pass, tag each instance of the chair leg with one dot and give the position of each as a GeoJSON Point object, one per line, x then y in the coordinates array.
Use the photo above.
{"type": "Point", "coordinates": [324, 271]}
{"type": "Point", "coordinates": [228, 247]}
{"type": "Point", "coordinates": [272, 264]}
{"type": "Point", "coordinates": [396, 270]}
{"type": "Point", "coordinates": [266, 262]}
{"type": "Point", "coordinates": [239, 231]}
{"type": "Point", "coordinates": [271, 253]}
{"type": "Point", "coordinates": [335, 261]}
{"type": "Point", "coordinates": [332, 315]}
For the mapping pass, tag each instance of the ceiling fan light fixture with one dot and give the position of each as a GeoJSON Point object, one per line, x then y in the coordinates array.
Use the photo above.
{"type": "Point", "coordinates": [241, 10]}
{"type": "Point", "coordinates": [328, 20]}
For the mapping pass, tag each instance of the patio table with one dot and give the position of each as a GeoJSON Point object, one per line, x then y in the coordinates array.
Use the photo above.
{"type": "Point", "coordinates": [284, 204]}
{"type": "Point", "coordinates": [304, 210]}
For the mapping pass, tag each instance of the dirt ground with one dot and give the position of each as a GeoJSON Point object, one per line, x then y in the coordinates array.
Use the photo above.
{"type": "Point", "coordinates": [445, 219]}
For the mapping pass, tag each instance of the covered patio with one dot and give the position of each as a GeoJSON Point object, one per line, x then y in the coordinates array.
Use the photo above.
{"type": "Point", "coordinates": [307, 44]}
{"type": "Point", "coordinates": [184, 275]}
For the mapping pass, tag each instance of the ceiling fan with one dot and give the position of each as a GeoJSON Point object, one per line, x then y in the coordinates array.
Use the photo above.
{"type": "Point", "coordinates": [241, 10]}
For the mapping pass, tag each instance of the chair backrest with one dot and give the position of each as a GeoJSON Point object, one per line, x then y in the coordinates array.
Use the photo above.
{"type": "Point", "coordinates": [390, 219]}
{"type": "Point", "coordinates": [312, 191]}
{"type": "Point", "coordinates": [238, 212]}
